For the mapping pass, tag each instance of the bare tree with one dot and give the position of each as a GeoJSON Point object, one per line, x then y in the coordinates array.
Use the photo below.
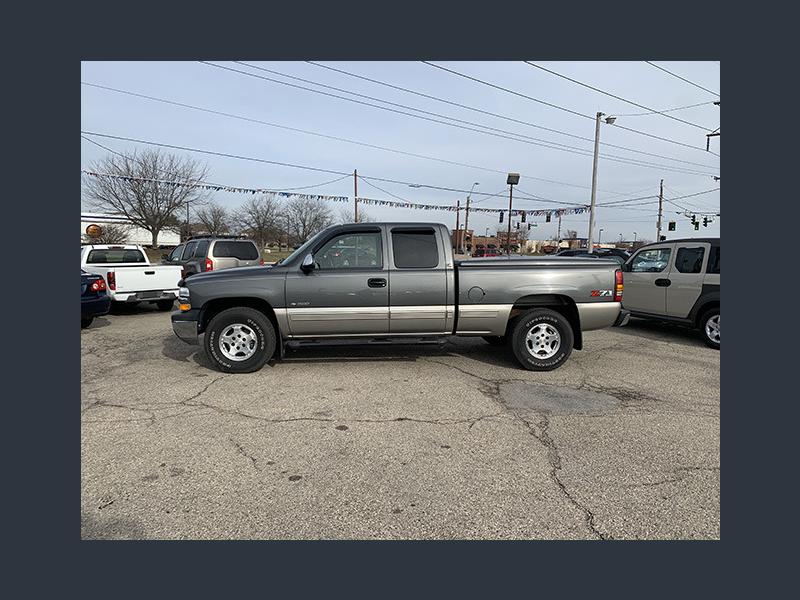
{"type": "Point", "coordinates": [571, 234]}
{"type": "Point", "coordinates": [259, 218]}
{"type": "Point", "coordinates": [110, 234]}
{"type": "Point", "coordinates": [214, 218]}
{"type": "Point", "coordinates": [307, 216]}
{"type": "Point", "coordinates": [138, 188]}
{"type": "Point", "coordinates": [345, 215]}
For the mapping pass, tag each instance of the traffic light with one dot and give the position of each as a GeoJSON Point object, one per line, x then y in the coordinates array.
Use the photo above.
{"type": "Point", "coordinates": [517, 224]}
{"type": "Point", "coordinates": [523, 216]}
{"type": "Point", "coordinates": [696, 225]}
{"type": "Point", "coordinates": [694, 221]}
{"type": "Point", "coordinates": [671, 226]}
{"type": "Point", "coordinates": [705, 221]}
{"type": "Point", "coordinates": [663, 238]}
{"type": "Point", "coordinates": [501, 216]}
{"type": "Point", "coordinates": [547, 218]}
{"type": "Point", "coordinates": [529, 226]}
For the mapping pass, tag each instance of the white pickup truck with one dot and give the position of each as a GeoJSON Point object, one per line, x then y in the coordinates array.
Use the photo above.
{"type": "Point", "coordinates": [129, 276]}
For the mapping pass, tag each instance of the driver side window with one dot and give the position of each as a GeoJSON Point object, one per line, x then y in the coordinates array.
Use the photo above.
{"type": "Point", "coordinates": [351, 251]}
{"type": "Point", "coordinates": [651, 261]}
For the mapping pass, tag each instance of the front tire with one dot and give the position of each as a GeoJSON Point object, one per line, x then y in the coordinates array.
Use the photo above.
{"type": "Point", "coordinates": [85, 322]}
{"type": "Point", "coordinates": [240, 340]}
{"type": "Point", "coordinates": [709, 327]}
{"type": "Point", "coordinates": [542, 339]}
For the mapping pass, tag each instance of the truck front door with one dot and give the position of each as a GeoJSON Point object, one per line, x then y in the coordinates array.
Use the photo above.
{"type": "Point", "coordinates": [418, 281]}
{"type": "Point", "coordinates": [347, 292]}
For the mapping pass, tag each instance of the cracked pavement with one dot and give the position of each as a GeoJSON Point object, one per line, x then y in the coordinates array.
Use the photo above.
{"type": "Point", "coordinates": [406, 442]}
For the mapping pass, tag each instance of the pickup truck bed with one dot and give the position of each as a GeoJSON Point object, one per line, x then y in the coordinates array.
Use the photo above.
{"type": "Point", "coordinates": [398, 280]}
{"type": "Point", "coordinates": [129, 276]}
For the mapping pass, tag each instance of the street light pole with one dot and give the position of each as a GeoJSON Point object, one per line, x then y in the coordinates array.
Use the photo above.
{"type": "Point", "coordinates": [600, 236]}
{"type": "Point", "coordinates": [513, 179]}
{"type": "Point", "coordinates": [458, 214]}
{"type": "Point", "coordinates": [609, 120]}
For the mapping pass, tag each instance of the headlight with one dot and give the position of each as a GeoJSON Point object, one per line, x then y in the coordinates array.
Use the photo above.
{"type": "Point", "coordinates": [184, 303]}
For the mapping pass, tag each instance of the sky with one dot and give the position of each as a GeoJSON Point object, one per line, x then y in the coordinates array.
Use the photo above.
{"type": "Point", "coordinates": [517, 140]}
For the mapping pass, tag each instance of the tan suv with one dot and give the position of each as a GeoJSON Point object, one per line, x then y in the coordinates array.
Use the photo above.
{"type": "Point", "coordinates": [676, 280]}
{"type": "Point", "coordinates": [214, 253]}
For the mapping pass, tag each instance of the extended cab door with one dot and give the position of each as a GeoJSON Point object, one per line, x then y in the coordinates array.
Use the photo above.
{"type": "Point", "coordinates": [418, 281]}
{"type": "Point", "coordinates": [347, 292]}
{"type": "Point", "coordinates": [686, 277]}
{"type": "Point", "coordinates": [646, 279]}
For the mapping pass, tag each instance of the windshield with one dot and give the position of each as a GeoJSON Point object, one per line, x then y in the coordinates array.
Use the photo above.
{"type": "Point", "coordinates": [302, 249]}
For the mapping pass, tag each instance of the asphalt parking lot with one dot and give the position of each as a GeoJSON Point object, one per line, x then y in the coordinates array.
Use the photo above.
{"type": "Point", "coordinates": [426, 442]}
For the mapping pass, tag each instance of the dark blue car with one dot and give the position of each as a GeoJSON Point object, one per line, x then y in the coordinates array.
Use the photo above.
{"type": "Point", "coordinates": [94, 299]}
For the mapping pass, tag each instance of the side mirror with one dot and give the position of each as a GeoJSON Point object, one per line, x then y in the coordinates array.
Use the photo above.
{"type": "Point", "coordinates": [308, 264]}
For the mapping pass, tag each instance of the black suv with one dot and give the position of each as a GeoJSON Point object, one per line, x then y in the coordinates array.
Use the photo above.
{"type": "Point", "coordinates": [214, 253]}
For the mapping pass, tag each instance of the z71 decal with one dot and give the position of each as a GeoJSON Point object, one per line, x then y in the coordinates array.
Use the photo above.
{"type": "Point", "coordinates": [601, 293]}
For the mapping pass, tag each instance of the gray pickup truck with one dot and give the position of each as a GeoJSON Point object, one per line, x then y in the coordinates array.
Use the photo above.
{"type": "Point", "coordinates": [389, 282]}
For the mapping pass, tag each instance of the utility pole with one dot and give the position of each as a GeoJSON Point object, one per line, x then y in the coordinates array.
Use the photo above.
{"type": "Point", "coordinates": [466, 226]}
{"type": "Point", "coordinates": [559, 229]}
{"type": "Point", "coordinates": [188, 235]}
{"type": "Point", "coordinates": [287, 231]}
{"type": "Point", "coordinates": [457, 240]}
{"type": "Point", "coordinates": [660, 207]}
{"type": "Point", "coordinates": [355, 194]}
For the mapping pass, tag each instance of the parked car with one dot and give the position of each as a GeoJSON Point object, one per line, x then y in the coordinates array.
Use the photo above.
{"type": "Point", "coordinates": [213, 253]}
{"type": "Point", "coordinates": [486, 252]}
{"type": "Point", "coordinates": [677, 281]}
{"type": "Point", "coordinates": [129, 276]}
{"type": "Point", "coordinates": [94, 299]}
{"type": "Point", "coordinates": [401, 285]}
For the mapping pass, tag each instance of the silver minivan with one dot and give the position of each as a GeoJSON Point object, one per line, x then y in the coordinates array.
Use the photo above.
{"type": "Point", "coordinates": [214, 253]}
{"type": "Point", "coordinates": [677, 280]}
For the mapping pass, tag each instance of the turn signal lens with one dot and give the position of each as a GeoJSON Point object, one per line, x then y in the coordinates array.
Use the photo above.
{"type": "Point", "coordinates": [618, 285]}
{"type": "Point", "coordinates": [185, 307]}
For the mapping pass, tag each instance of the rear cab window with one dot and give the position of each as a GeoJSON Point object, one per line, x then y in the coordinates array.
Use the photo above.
{"type": "Point", "coordinates": [115, 255]}
{"type": "Point", "coordinates": [241, 249]}
{"type": "Point", "coordinates": [415, 248]}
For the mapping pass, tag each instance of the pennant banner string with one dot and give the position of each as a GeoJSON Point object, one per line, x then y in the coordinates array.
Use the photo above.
{"type": "Point", "coordinates": [388, 203]}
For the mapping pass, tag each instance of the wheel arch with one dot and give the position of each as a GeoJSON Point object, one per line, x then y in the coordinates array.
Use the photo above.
{"type": "Point", "coordinates": [217, 305]}
{"type": "Point", "coordinates": [558, 302]}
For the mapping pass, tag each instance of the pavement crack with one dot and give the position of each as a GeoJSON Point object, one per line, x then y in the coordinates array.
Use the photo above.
{"type": "Point", "coordinates": [554, 458]}
{"type": "Point", "coordinates": [240, 449]}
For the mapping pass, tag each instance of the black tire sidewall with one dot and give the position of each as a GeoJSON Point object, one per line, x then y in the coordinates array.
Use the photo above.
{"type": "Point", "coordinates": [85, 322]}
{"type": "Point", "coordinates": [524, 324]}
{"type": "Point", "coordinates": [258, 322]}
{"type": "Point", "coordinates": [706, 316]}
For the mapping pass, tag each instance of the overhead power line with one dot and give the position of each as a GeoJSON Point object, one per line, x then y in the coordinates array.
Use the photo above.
{"type": "Point", "coordinates": [326, 136]}
{"type": "Point", "coordinates": [631, 102]}
{"type": "Point", "coordinates": [506, 117]}
{"type": "Point", "coordinates": [666, 110]}
{"type": "Point", "coordinates": [652, 64]}
{"type": "Point", "coordinates": [486, 130]}
{"type": "Point", "coordinates": [556, 106]}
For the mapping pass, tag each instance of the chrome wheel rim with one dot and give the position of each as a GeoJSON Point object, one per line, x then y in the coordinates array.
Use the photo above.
{"type": "Point", "coordinates": [543, 341]}
{"type": "Point", "coordinates": [238, 342]}
{"type": "Point", "coordinates": [712, 329]}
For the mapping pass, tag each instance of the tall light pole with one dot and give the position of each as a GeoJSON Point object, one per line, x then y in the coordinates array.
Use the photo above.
{"type": "Point", "coordinates": [610, 121]}
{"type": "Point", "coordinates": [466, 213]}
{"type": "Point", "coordinates": [600, 236]}
{"type": "Point", "coordinates": [513, 179]}
{"type": "Point", "coordinates": [634, 239]}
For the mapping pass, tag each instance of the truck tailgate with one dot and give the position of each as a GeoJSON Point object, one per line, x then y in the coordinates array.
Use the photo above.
{"type": "Point", "coordinates": [146, 278]}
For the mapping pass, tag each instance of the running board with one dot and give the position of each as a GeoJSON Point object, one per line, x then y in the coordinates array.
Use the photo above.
{"type": "Point", "coordinates": [377, 341]}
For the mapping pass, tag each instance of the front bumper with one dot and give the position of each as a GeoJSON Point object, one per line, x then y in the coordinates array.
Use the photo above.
{"type": "Point", "coordinates": [148, 296]}
{"type": "Point", "coordinates": [623, 318]}
{"type": "Point", "coordinates": [185, 325]}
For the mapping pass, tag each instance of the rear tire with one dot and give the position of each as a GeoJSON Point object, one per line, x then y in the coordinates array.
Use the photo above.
{"type": "Point", "coordinates": [253, 340]}
{"type": "Point", "coordinates": [709, 328]}
{"type": "Point", "coordinates": [496, 340]}
{"type": "Point", "coordinates": [542, 339]}
{"type": "Point", "coordinates": [85, 322]}
{"type": "Point", "coordinates": [165, 305]}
